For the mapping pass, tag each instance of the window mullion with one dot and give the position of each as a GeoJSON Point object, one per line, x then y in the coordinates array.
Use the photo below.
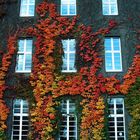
{"type": "Point", "coordinates": [76, 126]}
{"type": "Point", "coordinates": [20, 129]}
{"type": "Point", "coordinates": [124, 121]}
{"type": "Point", "coordinates": [115, 111]}
{"type": "Point", "coordinates": [68, 119]}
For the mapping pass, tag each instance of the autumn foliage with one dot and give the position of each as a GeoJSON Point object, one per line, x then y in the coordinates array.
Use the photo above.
{"type": "Point", "coordinates": [6, 61]}
{"type": "Point", "coordinates": [49, 84]}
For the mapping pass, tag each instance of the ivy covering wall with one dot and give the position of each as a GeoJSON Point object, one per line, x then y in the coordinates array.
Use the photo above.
{"type": "Point", "coordinates": [48, 84]}
{"type": "Point", "coordinates": [133, 105]}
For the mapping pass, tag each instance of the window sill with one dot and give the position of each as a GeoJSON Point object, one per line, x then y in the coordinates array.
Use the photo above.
{"type": "Point", "coordinates": [111, 15]}
{"type": "Point", "coordinates": [28, 16]}
{"type": "Point", "coordinates": [74, 71]}
{"type": "Point", "coordinates": [68, 15]}
{"type": "Point", "coordinates": [114, 71]}
{"type": "Point", "coordinates": [23, 72]}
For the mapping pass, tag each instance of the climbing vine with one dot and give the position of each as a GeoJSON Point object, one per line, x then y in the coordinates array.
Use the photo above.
{"type": "Point", "coordinates": [132, 101]}
{"type": "Point", "coordinates": [49, 83]}
{"type": "Point", "coordinates": [5, 63]}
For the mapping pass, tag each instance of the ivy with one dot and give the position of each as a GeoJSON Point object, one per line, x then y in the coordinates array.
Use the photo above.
{"type": "Point", "coordinates": [47, 84]}
{"type": "Point", "coordinates": [132, 101]}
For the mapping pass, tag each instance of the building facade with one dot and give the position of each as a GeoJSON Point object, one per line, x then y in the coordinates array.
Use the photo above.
{"type": "Point", "coordinates": [75, 74]}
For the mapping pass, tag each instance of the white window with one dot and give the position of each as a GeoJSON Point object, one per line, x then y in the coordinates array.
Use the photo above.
{"type": "Point", "coordinates": [68, 128]}
{"type": "Point", "coordinates": [24, 55]}
{"type": "Point", "coordinates": [20, 124]}
{"type": "Point", "coordinates": [110, 7]}
{"type": "Point", "coordinates": [113, 59]}
{"type": "Point", "coordinates": [116, 119]}
{"type": "Point", "coordinates": [27, 8]}
{"type": "Point", "coordinates": [68, 7]}
{"type": "Point", "coordinates": [69, 55]}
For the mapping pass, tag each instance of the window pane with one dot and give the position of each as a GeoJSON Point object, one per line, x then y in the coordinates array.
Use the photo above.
{"type": "Point", "coordinates": [64, 2]}
{"type": "Point", "coordinates": [16, 132]}
{"type": "Point", "coordinates": [31, 10]}
{"type": "Point", "coordinates": [120, 111]}
{"type": "Point", "coordinates": [17, 110]}
{"type": "Point", "coordinates": [32, 2]}
{"type": "Point", "coordinates": [120, 129]}
{"type": "Point", "coordinates": [29, 45]}
{"type": "Point", "coordinates": [117, 61]}
{"type": "Point", "coordinates": [105, 9]}
{"type": "Point", "coordinates": [72, 107]}
{"type": "Point", "coordinates": [120, 119]}
{"type": "Point", "coordinates": [65, 57]}
{"type": "Point", "coordinates": [116, 44]}
{"type": "Point", "coordinates": [119, 101]}
{"type": "Point", "coordinates": [24, 138]}
{"type": "Point", "coordinates": [117, 66]}
{"type": "Point", "coordinates": [24, 2]}
{"type": "Point", "coordinates": [28, 62]}
{"type": "Point", "coordinates": [64, 67]}
{"type": "Point", "coordinates": [105, 1]}
{"type": "Point", "coordinates": [16, 106]}
{"type": "Point", "coordinates": [24, 132]}
{"type": "Point", "coordinates": [20, 60]}
{"type": "Point", "coordinates": [72, 9]}
{"type": "Point", "coordinates": [108, 44]}
{"type": "Point", "coordinates": [71, 67]}
{"type": "Point", "coordinates": [108, 59]}
{"type": "Point", "coordinates": [113, 1]}
{"type": "Point", "coordinates": [17, 117]}
{"type": "Point", "coordinates": [21, 46]}
{"type": "Point", "coordinates": [72, 45]}
{"type": "Point", "coordinates": [64, 9]}
{"type": "Point", "coordinates": [16, 127]}
{"type": "Point", "coordinates": [114, 9]}
{"type": "Point", "coordinates": [23, 10]}
{"type": "Point", "coordinates": [65, 45]}
{"type": "Point", "coordinates": [25, 110]}
{"type": "Point", "coordinates": [72, 57]}
{"type": "Point", "coordinates": [73, 2]}
{"type": "Point", "coordinates": [72, 61]}
{"type": "Point", "coordinates": [15, 137]}
{"type": "Point", "coordinates": [111, 101]}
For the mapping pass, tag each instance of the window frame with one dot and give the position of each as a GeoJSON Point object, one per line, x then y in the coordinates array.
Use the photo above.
{"type": "Point", "coordinates": [68, 114]}
{"type": "Point", "coordinates": [68, 8]}
{"type": "Point", "coordinates": [20, 114]}
{"type": "Point", "coordinates": [24, 53]}
{"type": "Point", "coordinates": [109, 5]}
{"type": "Point", "coordinates": [115, 116]}
{"type": "Point", "coordinates": [112, 51]}
{"type": "Point", "coordinates": [68, 52]}
{"type": "Point", "coordinates": [27, 9]}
